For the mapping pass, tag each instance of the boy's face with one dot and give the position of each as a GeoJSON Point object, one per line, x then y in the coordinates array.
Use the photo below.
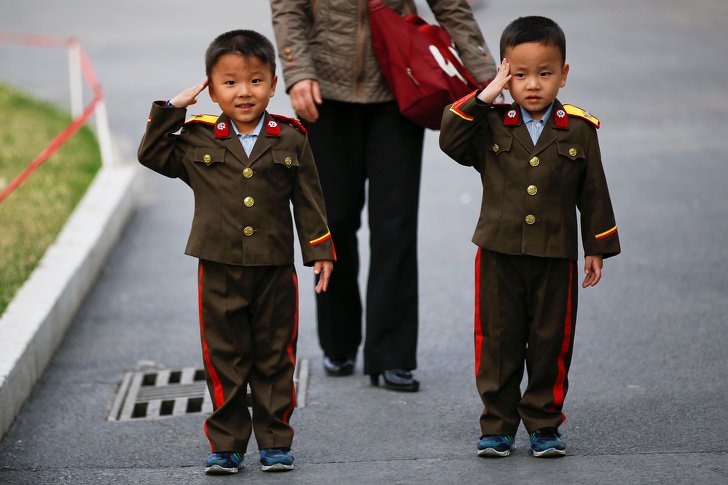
{"type": "Point", "coordinates": [242, 87]}
{"type": "Point", "coordinates": [537, 71]}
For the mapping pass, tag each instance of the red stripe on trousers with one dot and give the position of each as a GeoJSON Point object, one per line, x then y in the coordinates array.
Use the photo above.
{"type": "Point", "coordinates": [478, 330]}
{"type": "Point", "coordinates": [559, 391]}
{"type": "Point", "coordinates": [292, 355]}
{"type": "Point", "coordinates": [218, 396]}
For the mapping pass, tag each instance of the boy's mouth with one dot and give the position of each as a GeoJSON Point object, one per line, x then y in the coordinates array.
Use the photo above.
{"type": "Point", "coordinates": [245, 106]}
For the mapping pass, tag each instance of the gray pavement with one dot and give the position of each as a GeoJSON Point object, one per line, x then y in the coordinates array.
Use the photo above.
{"type": "Point", "coordinates": [648, 387]}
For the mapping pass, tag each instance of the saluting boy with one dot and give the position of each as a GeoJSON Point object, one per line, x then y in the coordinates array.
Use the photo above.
{"type": "Point", "coordinates": [538, 160]}
{"type": "Point", "coordinates": [246, 168]}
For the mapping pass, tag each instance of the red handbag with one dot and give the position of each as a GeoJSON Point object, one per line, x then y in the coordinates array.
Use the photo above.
{"type": "Point", "coordinates": [419, 63]}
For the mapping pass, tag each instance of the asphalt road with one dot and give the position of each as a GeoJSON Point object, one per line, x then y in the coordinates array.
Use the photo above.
{"type": "Point", "coordinates": [648, 393]}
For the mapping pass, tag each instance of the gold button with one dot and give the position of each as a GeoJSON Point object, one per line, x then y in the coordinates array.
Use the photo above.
{"type": "Point", "coordinates": [572, 152]}
{"type": "Point", "coordinates": [534, 161]}
{"type": "Point", "coordinates": [288, 161]}
{"type": "Point", "coordinates": [530, 219]}
{"type": "Point", "coordinates": [207, 158]}
{"type": "Point", "coordinates": [247, 172]}
{"type": "Point", "coordinates": [532, 190]}
{"type": "Point", "coordinates": [248, 201]}
{"type": "Point", "coordinates": [496, 148]}
{"type": "Point", "coordinates": [248, 231]}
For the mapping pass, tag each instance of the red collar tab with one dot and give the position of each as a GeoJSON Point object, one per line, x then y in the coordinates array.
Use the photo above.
{"type": "Point", "coordinates": [561, 119]}
{"type": "Point", "coordinates": [222, 130]}
{"type": "Point", "coordinates": [272, 128]}
{"type": "Point", "coordinates": [512, 117]}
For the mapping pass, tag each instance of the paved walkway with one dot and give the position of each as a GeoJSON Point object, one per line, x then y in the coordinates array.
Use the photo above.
{"type": "Point", "coordinates": [648, 389]}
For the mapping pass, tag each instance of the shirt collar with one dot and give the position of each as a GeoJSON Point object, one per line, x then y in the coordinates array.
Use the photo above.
{"type": "Point", "coordinates": [527, 116]}
{"type": "Point", "coordinates": [257, 129]}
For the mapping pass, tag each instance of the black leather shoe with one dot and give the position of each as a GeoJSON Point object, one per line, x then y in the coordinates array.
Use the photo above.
{"type": "Point", "coordinates": [339, 367]}
{"type": "Point", "coordinates": [397, 380]}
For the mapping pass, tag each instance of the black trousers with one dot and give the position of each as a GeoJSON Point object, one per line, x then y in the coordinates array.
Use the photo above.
{"type": "Point", "coordinates": [355, 144]}
{"type": "Point", "coordinates": [525, 312]}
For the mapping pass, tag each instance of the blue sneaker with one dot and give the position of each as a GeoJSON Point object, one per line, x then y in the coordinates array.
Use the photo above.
{"type": "Point", "coordinates": [496, 445]}
{"type": "Point", "coordinates": [546, 442]}
{"type": "Point", "coordinates": [223, 462]}
{"type": "Point", "coordinates": [276, 460]}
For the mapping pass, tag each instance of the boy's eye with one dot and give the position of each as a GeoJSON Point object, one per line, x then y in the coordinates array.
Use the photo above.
{"type": "Point", "coordinates": [545, 74]}
{"type": "Point", "coordinates": [257, 81]}
{"type": "Point", "coordinates": [519, 75]}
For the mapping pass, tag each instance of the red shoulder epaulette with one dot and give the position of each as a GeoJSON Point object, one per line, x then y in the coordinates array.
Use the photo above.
{"type": "Point", "coordinates": [577, 112]}
{"type": "Point", "coordinates": [206, 119]}
{"type": "Point", "coordinates": [290, 121]}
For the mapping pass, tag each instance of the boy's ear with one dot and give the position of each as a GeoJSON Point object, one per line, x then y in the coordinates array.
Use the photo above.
{"type": "Point", "coordinates": [273, 85]}
{"type": "Point", "coordinates": [564, 74]}
{"type": "Point", "coordinates": [211, 92]}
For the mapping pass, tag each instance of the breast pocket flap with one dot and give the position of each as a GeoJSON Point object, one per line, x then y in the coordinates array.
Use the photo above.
{"type": "Point", "coordinates": [209, 156]}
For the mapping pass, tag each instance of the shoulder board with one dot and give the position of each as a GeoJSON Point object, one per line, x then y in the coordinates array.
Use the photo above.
{"type": "Point", "coordinates": [290, 121]}
{"type": "Point", "coordinates": [206, 119]}
{"type": "Point", "coordinates": [572, 110]}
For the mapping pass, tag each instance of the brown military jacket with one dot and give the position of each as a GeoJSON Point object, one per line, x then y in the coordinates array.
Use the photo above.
{"type": "Point", "coordinates": [242, 204]}
{"type": "Point", "coordinates": [530, 193]}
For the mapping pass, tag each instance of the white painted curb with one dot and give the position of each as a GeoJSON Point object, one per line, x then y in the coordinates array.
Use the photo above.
{"type": "Point", "coordinates": [37, 319]}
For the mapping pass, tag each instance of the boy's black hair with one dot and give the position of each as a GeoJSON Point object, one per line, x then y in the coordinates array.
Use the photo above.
{"type": "Point", "coordinates": [533, 29]}
{"type": "Point", "coordinates": [247, 43]}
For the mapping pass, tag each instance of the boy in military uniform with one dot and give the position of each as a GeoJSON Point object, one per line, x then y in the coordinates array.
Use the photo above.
{"type": "Point", "coordinates": [538, 160]}
{"type": "Point", "coordinates": [246, 168]}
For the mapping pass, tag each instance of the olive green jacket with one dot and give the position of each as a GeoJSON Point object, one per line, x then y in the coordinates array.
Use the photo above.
{"type": "Point", "coordinates": [531, 193]}
{"type": "Point", "coordinates": [242, 204]}
{"type": "Point", "coordinates": [330, 41]}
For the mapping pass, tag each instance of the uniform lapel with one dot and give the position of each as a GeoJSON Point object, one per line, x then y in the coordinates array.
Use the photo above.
{"type": "Point", "coordinates": [517, 127]}
{"type": "Point", "coordinates": [264, 141]}
{"type": "Point", "coordinates": [550, 130]}
{"type": "Point", "coordinates": [231, 141]}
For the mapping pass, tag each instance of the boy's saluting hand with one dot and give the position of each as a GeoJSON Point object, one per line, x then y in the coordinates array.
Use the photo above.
{"type": "Point", "coordinates": [188, 97]}
{"type": "Point", "coordinates": [491, 92]}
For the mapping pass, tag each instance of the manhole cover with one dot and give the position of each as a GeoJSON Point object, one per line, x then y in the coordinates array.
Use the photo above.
{"type": "Point", "coordinates": [162, 393]}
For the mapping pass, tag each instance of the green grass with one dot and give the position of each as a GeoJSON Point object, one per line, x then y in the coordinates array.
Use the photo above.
{"type": "Point", "coordinates": [32, 216]}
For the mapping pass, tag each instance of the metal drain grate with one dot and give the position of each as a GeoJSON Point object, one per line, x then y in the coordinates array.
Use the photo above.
{"type": "Point", "coordinates": [161, 393]}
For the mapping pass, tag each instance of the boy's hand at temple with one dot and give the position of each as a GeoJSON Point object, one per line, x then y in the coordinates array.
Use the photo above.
{"type": "Point", "coordinates": [491, 92]}
{"type": "Point", "coordinates": [188, 97]}
{"type": "Point", "coordinates": [323, 270]}
{"type": "Point", "coordinates": [593, 270]}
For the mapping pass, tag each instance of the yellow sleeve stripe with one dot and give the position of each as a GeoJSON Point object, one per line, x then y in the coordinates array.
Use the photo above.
{"type": "Point", "coordinates": [606, 233]}
{"type": "Point", "coordinates": [321, 239]}
{"type": "Point", "coordinates": [455, 108]}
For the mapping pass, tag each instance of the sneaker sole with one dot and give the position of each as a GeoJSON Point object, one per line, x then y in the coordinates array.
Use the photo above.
{"type": "Point", "coordinates": [549, 453]}
{"type": "Point", "coordinates": [219, 470]}
{"type": "Point", "coordinates": [492, 452]}
{"type": "Point", "coordinates": [278, 467]}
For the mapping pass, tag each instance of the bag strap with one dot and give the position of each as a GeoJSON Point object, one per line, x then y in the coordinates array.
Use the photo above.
{"type": "Point", "coordinates": [431, 32]}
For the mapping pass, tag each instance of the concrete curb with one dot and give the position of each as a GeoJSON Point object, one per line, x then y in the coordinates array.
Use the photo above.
{"type": "Point", "coordinates": [35, 322]}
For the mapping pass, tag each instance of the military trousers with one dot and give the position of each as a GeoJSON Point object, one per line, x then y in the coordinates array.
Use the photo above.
{"type": "Point", "coordinates": [248, 330]}
{"type": "Point", "coordinates": [525, 312]}
{"type": "Point", "coordinates": [370, 153]}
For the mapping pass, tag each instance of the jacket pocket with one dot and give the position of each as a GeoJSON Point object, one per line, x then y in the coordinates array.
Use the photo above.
{"type": "Point", "coordinates": [209, 156]}
{"type": "Point", "coordinates": [285, 159]}
{"type": "Point", "coordinates": [570, 150]}
{"type": "Point", "coordinates": [500, 145]}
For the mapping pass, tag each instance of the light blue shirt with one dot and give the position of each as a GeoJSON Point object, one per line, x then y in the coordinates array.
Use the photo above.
{"type": "Point", "coordinates": [248, 140]}
{"type": "Point", "coordinates": [535, 127]}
